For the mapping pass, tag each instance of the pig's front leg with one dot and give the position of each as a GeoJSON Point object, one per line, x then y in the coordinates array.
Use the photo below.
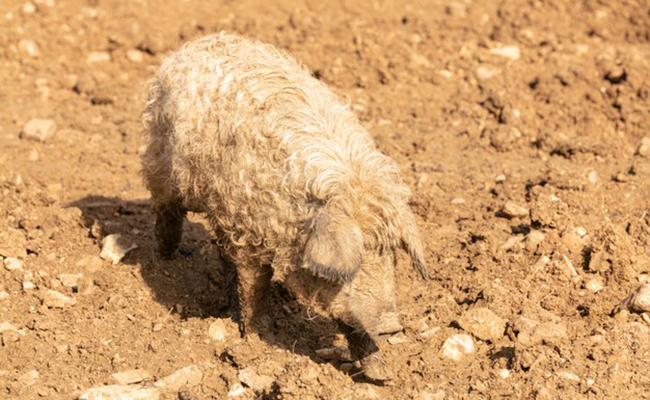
{"type": "Point", "coordinates": [364, 348]}
{"type": "Point", "coordinates": [252, 286]}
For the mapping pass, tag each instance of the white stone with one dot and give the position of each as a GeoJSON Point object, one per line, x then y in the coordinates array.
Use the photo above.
{"type": "Point", "coordinates": [483, 324]}
{"type": "Point", "coordinates": [120, 392]}
{"type": "Point", "coordinates": [29, 378]}
{"type": "Point", "coordinates": [54, 299]}
{"type": "Point", "coordinates": [29, 47]}
{"type": "Point", "coordinates": [236, 389]}
{"type": "Point", "coordinates": [27, 285]}
{"type": "Point", "coordinates": [4, 295]}
{"type": "Point", "coordinates": [98, 56]}
{"type": "Point", "coordinates": [534, 239]}
{"type": "Point", "coordinates": [513, 210]}
{"type": "Point", "coordinates": [457, 347]}
{"type": "Point", "coordinates": [500, 178]}
{"type": "Point", "coordinates": [592, 177]}
{"type": "Point", "coordinates": [580, 231]}
{"type": "Point", "coordinates": [504, 373]}
{"type": "Point", "coordinates": [639, 300]}
{"type": "Point", "coordinates": [644, 147]}
{"type": "Point", "coordinates": [70, 280]}
{"type": "Point", "coordinates": [29, 8]}
{"type": "Point", "coordinates": [593, 285]}
{"type": "Point", "coordinates": [130, 376]}
{"type": "Point", "coordinates": [484, 73]}
{"type": "Point", "coordinates": [510, 52]}
{"type": "Point", "coordinates": [217, 331]}
{"type": "Point", "coordinates": [38, 129]}
{"type": "Point", "coordinates": [254, 380]}
{"type": "Point", "coordinates": [13, 264]}
{"type": "Point", "coordinates": [458, 201]}
{"type": "Point", "coordinates": [134, 55]}
{"type": "Point", "coordinates": [399, 338]}
{"type": "Point", "coordinates": [568, 376]}
{"type": "Point", "coordinates": [189, 376]}
{"type": "Point", "coordinates": [115, 247]}
{"type": "Point", "coordinates": [7, 326]}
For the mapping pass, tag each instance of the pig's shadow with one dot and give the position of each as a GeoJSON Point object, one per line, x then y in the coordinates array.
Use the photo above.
{"type": "Point", "coordinates": [193, 283]}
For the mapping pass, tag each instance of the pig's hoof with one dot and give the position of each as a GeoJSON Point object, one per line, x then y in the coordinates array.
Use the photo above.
{"type": "Point", "coordinates": [374, 368]}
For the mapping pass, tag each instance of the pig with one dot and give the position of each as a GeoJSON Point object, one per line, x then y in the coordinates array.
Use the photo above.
{"type": "Point", "coordinates": [290, 182]}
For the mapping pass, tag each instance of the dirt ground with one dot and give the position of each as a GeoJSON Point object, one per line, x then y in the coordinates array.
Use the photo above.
{"type": "Point", "coordinates": [543, 104]}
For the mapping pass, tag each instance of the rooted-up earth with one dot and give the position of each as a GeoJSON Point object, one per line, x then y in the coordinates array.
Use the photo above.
{"type": "Point", "coordinates": [522, 127]}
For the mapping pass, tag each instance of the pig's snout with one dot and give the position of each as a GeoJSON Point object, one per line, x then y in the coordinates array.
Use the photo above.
{"type": "Point", "coordinates": [388, 324]}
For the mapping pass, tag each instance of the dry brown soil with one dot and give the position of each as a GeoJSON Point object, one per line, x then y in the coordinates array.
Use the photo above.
{"type": "Point", "coordinates": [555, 130]}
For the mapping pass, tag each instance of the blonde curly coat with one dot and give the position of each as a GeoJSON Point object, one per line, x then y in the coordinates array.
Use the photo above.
{"type": "Point", "coordinates": [289, 179]}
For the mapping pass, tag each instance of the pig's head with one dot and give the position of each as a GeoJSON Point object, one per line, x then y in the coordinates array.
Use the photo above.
{"type": "Point", "coordinates": [336, 250]}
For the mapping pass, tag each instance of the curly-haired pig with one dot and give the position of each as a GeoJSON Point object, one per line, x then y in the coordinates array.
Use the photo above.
{"type": "Point", "coordinates": [291, 183]}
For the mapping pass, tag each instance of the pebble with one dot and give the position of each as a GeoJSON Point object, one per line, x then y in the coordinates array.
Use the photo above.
{"type": "Point", "coordinates": [545, 333]}
{"type": "Point", "coordinates": [430, 332]}
{"type": "Point", "coordinates": [334, 353]}
{"type": "Point", "coordinates": [639, 300]}
{"type": "Point", "coordinates": [4, 295]}
{"type": "Point", "coordinates": [458, 201]}
{"type": "Point", "coordinates": [510, 52]}
{"type": "Point", "coordinates": [27, 285]}
{"type": "Point", "coordinates": [29, 8]}
{"type": "Point", "coordinates": [98, 56]}
{"type": "Point", "coordinates": [541, 263]}
{"type": "Point", "coordinates": [644, 147]}
{"type": "Point", "coordinates": [570, 376]}
{"type": "Point", "coordinates": [592, 177]}
{"type": "Point", "coordinates": [500, 178]}
{"type": "Point", "coordinates": [217, 331]}
{"type": "Point", "coordinates": [120, 392]}
{"type": "Point", "coordinates": [593, 285]}
{"type": "Point", "coordinates": [54, 299]}
{"type": "Point", "coordinates": [236, 389]}
{"type": "Point", "coordinates": [29, 47]}
{"type": "Point", "coordinates": [70, 280]}
{"type": "Point", "coordinates": [504, 373]}
{"type": "Point", "coordinates": [38, 129]}
{"type": "Point", "coordinates": [7, 326]}
{"type": "Point", "coordinates": [534, 239]}
{"type": "Point", "coordinates": [115, 247]}
{"type": "Point", "coordinates": [130, 376]}
{"type": "Point", "coordinates": [134, 55]}
{"type": "Point", "coordinates": [13, 264]}
{"type": "Point", "coordinates": [254, 380]}
{"type": "Point", "coordinates": [484, 73]}
{"type": "Point", "coordinates": [513, 210]}
{"type": "Point", "coordinates": [483, 324]}
{"type": "Point", "coordinates": [189, 376]}
{"type": "Point", "coordinates": [457, 347]}
{"type": "Point", "coordinates": [399, 338]}
{"type": "Point", "coordinates": [29, 378]}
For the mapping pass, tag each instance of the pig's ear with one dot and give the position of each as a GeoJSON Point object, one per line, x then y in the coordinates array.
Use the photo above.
{"type": "Point", "coordinates": [334, 249]}
{"type": "Point", "coordinates": [412, 242]}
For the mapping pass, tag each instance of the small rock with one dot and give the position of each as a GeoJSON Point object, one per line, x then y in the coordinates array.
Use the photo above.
{"type": "Point", "coordinates": [254, 380]}
{"type": "Point", "coordinates": [366, 391]}
{"type": "Point", "coordinates": [236, 389]}
{"type": "Point", "coordinates": [541, 263]}
{"type": "Point", "coordinates": [570, 376]}
{"type": "Point", "coordinates": [534, 239]}
{"type": "Point", "coordinates": [4, 295]}
{"type": "Point", "coordinates": [29, 378]}
{"type": "Point", "coordinates": [54, 299]}
{"type": "Point", "coordinates": [580, 231]}
{"type": "Point", "coordinates": [484, 73]}
{"type": "Point", "coordinates": [29, 8]}
{"type": "Point", "coordinates": [27, 285]}
{"type": "Point", "coordinates": [546, 333]}
{"type": "Point", "coordinates": [130, 376]}
{"type": "Point", "coordinates": [510, 52]}
{"type": "Point", "coordinates": [38, 129]}
{"type": "Point", "coordinates": [334, 353]}
{"type": "Point", "coordinates": [439, 395]}
{"type": "Point", "coordinates": [399, 338]}
{"type": "Point", "coordinates": [120, 392]}
{"type": "Point", "coordinates": [98, 56]}
{"type": "Point", "coordinates": [217, 331]}
{"type": "Point", "coordinates": [644, 147]}
{"type": "Point", "coordinates": [504, 373]}
{"type": "Point", "coordinates": [458, 201]}
{"type": "Point", "coordinates": [500, 178]}
{"type": "Point", "coordinates": [70, 280]}
{"type": "Point", "coordinates": [457, 347]}
{"type": "Point", "coordinates": [346, 367]}
{"type": "Point", "coordinates": [13, 264]}
{"type": "Point", "coordinates": [134, 55]}
{"type": "Point", "coordinates": [7, 326]}
{"type": "Point", "coordinates": [115, 247]}
{"type": "Point", "coordinates": [29, 47]}
{"type": "Point", "coordinates": [592, 177]}
{"type": "Point", "coordinates": [593, 285]}
{"type": "Point", "coordinates": [33, 155]}
{"type": "Point", "coordinates": [512, 210]}
{"type": "Point", "coordinates": [430, 332]}
{"type": "Point", "coordinates": [189, 376]}
{"type": "Point", "coordinates": [483, 324]}
{"type": "Point", "coordinates": [639, 300]}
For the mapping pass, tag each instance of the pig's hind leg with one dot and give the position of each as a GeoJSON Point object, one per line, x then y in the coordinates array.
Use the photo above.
{"type": "Point", "coordinates": [169, 225]}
